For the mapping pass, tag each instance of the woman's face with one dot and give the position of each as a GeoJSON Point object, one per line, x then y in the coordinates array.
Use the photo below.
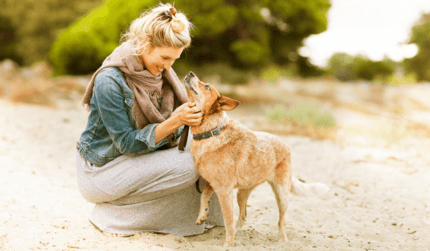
{"type": "Point", "coordinates": [158, 59]}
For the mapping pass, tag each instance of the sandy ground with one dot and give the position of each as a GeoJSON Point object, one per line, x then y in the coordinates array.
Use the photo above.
{"type": "Point", "coordinates": [379, 197]}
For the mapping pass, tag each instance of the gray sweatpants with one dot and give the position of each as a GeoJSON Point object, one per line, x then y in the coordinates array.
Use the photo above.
{"type": "Point", "coordinates": [153, 192]}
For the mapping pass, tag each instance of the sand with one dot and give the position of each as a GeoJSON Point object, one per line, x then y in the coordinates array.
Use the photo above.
{"type": "Point", "coordinates": [379, 197]}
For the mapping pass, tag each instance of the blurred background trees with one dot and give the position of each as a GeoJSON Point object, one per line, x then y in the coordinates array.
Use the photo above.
{"type": "Point", "coordinates": [346, 68]}
{"type": "Point", "coordinates": [234, 38]}
{"type": "Point", "coordinates": [420, 36]}
{"type": "Point", "coordinates": [32, 26]}
{"type": "Point", "coordinates": [241, 34]}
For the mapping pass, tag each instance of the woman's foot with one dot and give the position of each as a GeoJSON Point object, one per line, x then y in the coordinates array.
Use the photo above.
{"type": "Point", "coordinates": [112, 234]}
{"type": "Point", "coordinates": [116, 235]}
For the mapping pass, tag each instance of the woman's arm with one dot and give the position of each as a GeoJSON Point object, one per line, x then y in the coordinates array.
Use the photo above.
{"type": "Point", "coordinates": [108, 99]}
{"type": "Point", "coordinates": [186, 114]}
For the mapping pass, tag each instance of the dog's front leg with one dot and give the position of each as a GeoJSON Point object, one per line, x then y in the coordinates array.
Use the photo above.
{"type": "Point", "coordinates": [225, 197]}
{"type": "Point", "coordinates": [204, 203]}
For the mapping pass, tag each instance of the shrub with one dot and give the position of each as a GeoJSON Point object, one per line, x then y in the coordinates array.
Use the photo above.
{"type": "Point", "coordinates": [225, 73]}
{"type": "Point", "coordinates": [82, 47]}
{"type": "Point", "coordinates": [36, 24]}
{"type": "Point", "coordinates": [419, 65]}
{"type": "Point", "coordinates": [348, 68]}
{"type": "Point", "coordinates": [242, 34]}
{"type": "Point", "coordinates": [340, 66]}
{"type": "Point", "coordinates": [301, 114]}
{"type": "Point", "coordinates": [303, 119]}
{"type": "Point", "coordinates": [274, 73]}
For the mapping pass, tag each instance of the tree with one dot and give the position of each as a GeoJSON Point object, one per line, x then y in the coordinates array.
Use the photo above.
{"type": "Point", "coordinates": [242, 33]}
{"type": "Point", "coordinates": [36, 24]}
{"type": "Point", "coordinates": [420, 35]}
{"type": "Point", "coordinates": [7, 40]}
{"type": "Point", "coordinates": [340, 65]}
{"type": "Point", "coordinates": [348, 68]}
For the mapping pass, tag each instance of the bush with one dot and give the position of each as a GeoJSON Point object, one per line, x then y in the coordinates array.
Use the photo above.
{"type": "Point", "coordinates": [340, 66]}
{"type": "Point", "coordinates": [348, 68]}
{"type": "Point", "coordinates": [241, 34]}
{"type": "Point", "coordinates": [82, 47]}
{"type": "Point", "coordinates": [302, 114]}
{"type": "Point", "coordinates": [420, 35]}
{"type": "Point", "coordinates": [8, 40]}
{"type": "Point", "coordinates": [225, 72]}
{"type": "Point", "coordinates": [70, 56]}
{"type": "Point", "coordinates": [36, 24]}
{"type": "Point", "coordinates": [303, 118]}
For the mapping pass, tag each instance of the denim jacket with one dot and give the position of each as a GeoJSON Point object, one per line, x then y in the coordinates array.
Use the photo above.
{"type": "Point", "coordinates": [111, 129]}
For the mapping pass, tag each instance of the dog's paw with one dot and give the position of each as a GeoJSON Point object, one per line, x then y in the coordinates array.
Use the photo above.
{"type": "Point", "coordinates": [283, 238]}
{"type": "Point", "coordinates": [200, 221]}
{"type": "Point", "coordinates": [239, 224]}
{"type": "Point", "coordinates": [227, 245]}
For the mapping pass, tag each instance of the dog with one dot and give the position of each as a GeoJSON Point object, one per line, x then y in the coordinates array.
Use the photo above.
{"type": "Point", "coordinates": [228, 155]}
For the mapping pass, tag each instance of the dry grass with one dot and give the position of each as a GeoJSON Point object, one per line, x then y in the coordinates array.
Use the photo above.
{"type": "Point", "coordinates": [419, 129]}
{"type": "Point", "coordinates": [376, 94]}
{"type": "Point", "coordinates": [44, 91]}
{"type": "Point", "coordinates": [320, 133]}
{"type": "Point", "coordinates": [31, 92]}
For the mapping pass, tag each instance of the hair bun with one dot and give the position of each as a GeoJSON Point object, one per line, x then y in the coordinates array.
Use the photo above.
{"type": "Point", "coordinates": [177, 25]}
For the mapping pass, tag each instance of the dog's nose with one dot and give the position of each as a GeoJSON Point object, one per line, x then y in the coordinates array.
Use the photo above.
{"type": "Point", "coordinates": [192, 74]}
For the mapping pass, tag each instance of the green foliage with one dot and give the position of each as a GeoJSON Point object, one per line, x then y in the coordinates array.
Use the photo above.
{"type": "Point", "coordinates": [243, 34]}
{"type": "Point", "coordinates": [250, 52]}
{"type": "Point", "coordinates": [340, 66]}
{"type": "Point", "coordinates": [8, 40]}
{"type": "Point", "coordinates": [73, 57]}
{"type": "Point", "coordinates": [302, 114]}
{"type": "Point", "coordinates": [225, 72]}
{"type": "Point", "coordinates": [273, 73]}
{"type": "Point", "coordinates": [420, 35]}
{"type": "Point", "coordinates": [306, 69]}
{"type": "Point", "coordinates": [36, 24]}
{"type": "Point", "coordinates": [348, 68]}
{"type": "Point", "coordinates": [83, 46]}
{"type": "Point", "coordinates": [250, 34]}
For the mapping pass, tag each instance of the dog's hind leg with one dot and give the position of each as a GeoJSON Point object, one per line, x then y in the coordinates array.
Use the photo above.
{"type": "Point", "coordinates": [204, 203]}
{"type": "Point", "coordinates": [281, 185]}
{"type": "Point", "coordinates": [242, 198]}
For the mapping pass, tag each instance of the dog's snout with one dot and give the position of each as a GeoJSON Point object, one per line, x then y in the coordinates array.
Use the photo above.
{"type": "Point", "coordinates": [191, 74]}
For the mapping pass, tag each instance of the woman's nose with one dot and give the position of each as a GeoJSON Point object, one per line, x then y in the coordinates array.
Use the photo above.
{"type": "Point", "coordinates": [167, 66]}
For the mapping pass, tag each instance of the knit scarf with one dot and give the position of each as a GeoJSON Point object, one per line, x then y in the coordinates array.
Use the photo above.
{"type": "Point", "coordinates": [147, 88]}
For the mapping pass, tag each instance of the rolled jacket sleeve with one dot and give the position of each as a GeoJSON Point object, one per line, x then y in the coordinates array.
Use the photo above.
{"type": "Point", "coordinates": [109, 100]}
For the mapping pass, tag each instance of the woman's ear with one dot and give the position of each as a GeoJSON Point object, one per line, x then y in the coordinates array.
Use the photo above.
{"type": "Point", "coordinates": [227, 104]}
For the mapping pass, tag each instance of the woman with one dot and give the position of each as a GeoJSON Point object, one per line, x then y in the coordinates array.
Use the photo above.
{"type": "Point", "coordinates": [126, 162]}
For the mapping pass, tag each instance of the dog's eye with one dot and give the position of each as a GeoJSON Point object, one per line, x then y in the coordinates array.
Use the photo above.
{"type": "Point", "coordinates": [208, 87]}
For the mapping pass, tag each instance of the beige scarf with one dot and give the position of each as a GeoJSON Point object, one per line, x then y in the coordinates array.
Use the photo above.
{"type": "Point", "coordinates": [146, 87]}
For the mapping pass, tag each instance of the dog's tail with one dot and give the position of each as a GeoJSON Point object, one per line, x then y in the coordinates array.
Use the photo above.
{"type": "Point", "coordinates": [303, 189]}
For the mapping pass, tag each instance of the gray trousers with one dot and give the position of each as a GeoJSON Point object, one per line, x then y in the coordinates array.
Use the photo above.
{"type": "Point", "coordinates": [154, 192]}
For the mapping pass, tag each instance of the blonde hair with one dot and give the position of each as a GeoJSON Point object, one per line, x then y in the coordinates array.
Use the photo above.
{"type": "Point", "coordinates": [159, 27]}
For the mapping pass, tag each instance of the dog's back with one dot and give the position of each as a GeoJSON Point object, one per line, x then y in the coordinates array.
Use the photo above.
{"type": "Point", "coordinates": [239, 156]}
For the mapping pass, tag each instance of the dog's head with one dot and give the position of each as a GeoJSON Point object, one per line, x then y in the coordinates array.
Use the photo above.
{"type": "Point", "coordinates": [206, 96]}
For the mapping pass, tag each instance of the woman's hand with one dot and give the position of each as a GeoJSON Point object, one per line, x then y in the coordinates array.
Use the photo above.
{"type": "Point", "coordinates": [188, 114]}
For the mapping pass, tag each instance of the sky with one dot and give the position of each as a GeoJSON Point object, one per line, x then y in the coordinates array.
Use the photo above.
{"type": "Point", "coordinates": [373, 28]}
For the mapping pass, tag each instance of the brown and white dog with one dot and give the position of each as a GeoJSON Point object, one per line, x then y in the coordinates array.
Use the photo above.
{"type": "Point", "coordinates": [229, 155]}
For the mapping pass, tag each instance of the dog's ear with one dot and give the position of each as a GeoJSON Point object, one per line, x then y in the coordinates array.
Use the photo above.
{"type": "Point", "coordinates": [227, 104]}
